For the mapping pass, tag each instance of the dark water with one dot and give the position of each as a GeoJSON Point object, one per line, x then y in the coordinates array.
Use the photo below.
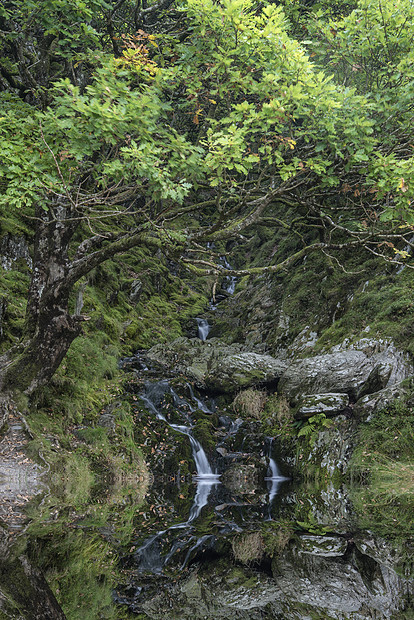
{"type": "Point", "coordinates": [233, 536]}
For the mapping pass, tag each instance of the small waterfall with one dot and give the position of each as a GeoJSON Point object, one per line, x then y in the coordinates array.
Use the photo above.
{"type": "Point", "coordinates": [200, 405]}
{"type": "Point", "coordinates": [274, 478]}
{"type": "Point", "coordinates": [150, 556]}
{"type": "Point", "coordinates": [229, 284]}
{"type": "Point", "coordinates": [155, 393]}
{"type": "Point", "coordinates": [203, 328]}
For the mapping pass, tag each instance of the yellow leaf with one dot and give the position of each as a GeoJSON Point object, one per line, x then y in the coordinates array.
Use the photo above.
{"type": "Point", "coordinates": [402, 186]}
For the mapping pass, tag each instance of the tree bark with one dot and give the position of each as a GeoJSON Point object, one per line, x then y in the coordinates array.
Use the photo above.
{"type": "Point", "coordinates": [49, 327]}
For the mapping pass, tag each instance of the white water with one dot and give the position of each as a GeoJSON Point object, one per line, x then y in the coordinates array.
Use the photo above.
{"type": "Point", "coordinates": [200, 404]}
{"type": "Point", "coordinates": [203, 328]}
{"type": "Point", "coordinates": [230, 282]}
{"type": "Point", "coordinates": [154, 392]}
{"type": "Point", "coordinates": [149, 556]}
{"type": "Point", "coordinates": [275, 478]}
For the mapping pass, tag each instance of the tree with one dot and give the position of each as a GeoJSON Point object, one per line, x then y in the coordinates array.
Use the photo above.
{"type": "Point", "coordinates": [192, 137]}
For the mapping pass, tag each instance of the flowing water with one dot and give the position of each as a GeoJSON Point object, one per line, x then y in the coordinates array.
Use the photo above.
{"type": "Point", "coordinates": [222, 531]}
{"type": "Point", "coordinates": [203, 328]}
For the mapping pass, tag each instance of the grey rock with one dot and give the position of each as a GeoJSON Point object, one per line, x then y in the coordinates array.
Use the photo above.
{"type": "Point", "coordinates": [366, 406]}
{"type": "Point", "coordinates": [135, 291]}
{"type": "Point", "coordinates": [357, 369]}
{"type": "Point", "coordinates": [243, 370]}
{"type": "Point", "coordinates": [396, 555]}
{"type": "Point", "coordinates": [216, 365]}
{"type": "Point", "coordinates": [340, 587]}
{"type": "Point", "coordinates": [107, 420]}
{"type": "Point", "coordinates": [330, 450]}
{"type": "Point", "coordinates": [243, 479]}
{"type": "Point", "coordinates": [330, 404]}
{"type": "Point", "coordinates": [323, 546]}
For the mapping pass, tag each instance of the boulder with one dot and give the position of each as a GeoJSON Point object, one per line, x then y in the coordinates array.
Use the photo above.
{"type": "Point", "coordinates": [330, 404]}
{"type": "Point", "coordinates": [348, 586]}
{"type": "Point", "coordinates": [357, 369]}
{"type": "Point", "coordinates": [369, 404]}
{"type": "Point", "coordinates": [216, 365]}
{"type": "Point", "coordinates": [235, 372]}
{"type": "Point", "coordinates": [322, 546]}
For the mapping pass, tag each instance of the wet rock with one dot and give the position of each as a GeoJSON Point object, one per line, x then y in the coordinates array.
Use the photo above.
{"type": "Point", "coordinates": [244, 478]}
{"type": "Point", "coordinates": [339, 587]}
{"type": "Point", "coordinates": [357, 369]}
{"type": "Point", "coordinates": [328, 450]}
{"type": "Point", "coordinates": [323, 546]}
{"type": "Point", "coordinates": [369, 404]}
{"type": "Point", "coordinates": [304, 585]}
{"type": "Point", "coordinates": [397, 555]}
{"type": "Point", "coordinates": [222, 451]}
{"type": "Point", "coordinates": [218, 590]}
{"type": "Point", "coordinates": [243, 370]}
{"type": "Point", "coordinates": [135, 291]}
{"type": "Point", "coordinates": [330, 404]}
{"type": "Point", "coordinates": [216, 365]}
{"type": "Point", "coordinates": [225, 421]}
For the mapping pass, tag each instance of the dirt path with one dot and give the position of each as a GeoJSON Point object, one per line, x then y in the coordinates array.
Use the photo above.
{"type": "Point", "coordinates": [20, 477]}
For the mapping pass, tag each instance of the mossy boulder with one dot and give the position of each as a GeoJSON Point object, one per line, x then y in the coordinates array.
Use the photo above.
{"type": "Point", "coordinates": [215, 365]}
{"type": "Point", "coordinates": [369, 404]}
{"type": "Point", "coordinates": [243, 370]}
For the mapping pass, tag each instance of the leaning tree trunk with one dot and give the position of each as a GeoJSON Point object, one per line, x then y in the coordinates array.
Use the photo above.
{"type": "Point", "coordinates": [49, 327]}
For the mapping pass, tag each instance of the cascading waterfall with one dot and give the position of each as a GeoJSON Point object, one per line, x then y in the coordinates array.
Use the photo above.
{"type": "Point", "coordinates": [157, 550]}
{"type": "Point", "coordinates": [155, 392]}
{"type": "Point", "coordinates": [149, 556]}
{"type": "Point", "coordinates": [229, 284]}
{"type": "Point", "coordinates": [274, 477]}
{"type": "Point", "coordinates": [203, 328]}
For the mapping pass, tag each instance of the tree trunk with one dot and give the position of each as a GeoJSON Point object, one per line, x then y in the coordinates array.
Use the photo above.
{"type": "Point", "coordinates": [49, 329]}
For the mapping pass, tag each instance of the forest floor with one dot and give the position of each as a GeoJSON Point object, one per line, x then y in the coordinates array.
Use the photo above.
{"type": "Point", "coordinates": [20, 476]}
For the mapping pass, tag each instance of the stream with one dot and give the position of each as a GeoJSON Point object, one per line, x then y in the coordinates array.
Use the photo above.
{"type": "Point", "coordinates": [222, 529]}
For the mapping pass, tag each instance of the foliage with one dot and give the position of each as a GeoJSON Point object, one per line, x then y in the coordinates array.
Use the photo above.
{"type": "Point", "coordinates": [311, 525]}
{"type": "Point", "coordinates": [313, 426]}
{"type": "Point", "coordinates": [276, 536]}
{"type": "Point", "coordinates": [387, 435]}
{"type": "Point", "coordinates": [173, 141]}
{"type": "Point", "coordinates": [385, 457]}
{"type": "Point", "coordinates": [80, 564]}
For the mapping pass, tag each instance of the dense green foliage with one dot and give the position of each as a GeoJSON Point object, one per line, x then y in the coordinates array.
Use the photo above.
{"type": "Point", "coordinates": [125, 127]}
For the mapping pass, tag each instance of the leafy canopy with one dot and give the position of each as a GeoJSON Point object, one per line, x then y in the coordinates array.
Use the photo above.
{"type": "Point", "coordinates": [235, 108]}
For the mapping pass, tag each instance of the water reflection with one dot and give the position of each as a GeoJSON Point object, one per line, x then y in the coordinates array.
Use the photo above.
{"type": "Point", "coordinates": [311, 558]}
{"type": "Point", "coordinates": [244, 543]}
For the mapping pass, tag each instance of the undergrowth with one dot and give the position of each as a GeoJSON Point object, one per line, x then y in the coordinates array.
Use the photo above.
{"type": "Point", "coordinates": [384, 462]}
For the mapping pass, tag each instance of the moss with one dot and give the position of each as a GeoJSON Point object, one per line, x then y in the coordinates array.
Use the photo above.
{"type": "Point", "coordinates": [389, 433]}
{"type": "Point", "coordinates": [384, 462]}
{"type": "Point", "coordinates": [276, 536]}
{"type": "Point", "coordinates": [13, 288]}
